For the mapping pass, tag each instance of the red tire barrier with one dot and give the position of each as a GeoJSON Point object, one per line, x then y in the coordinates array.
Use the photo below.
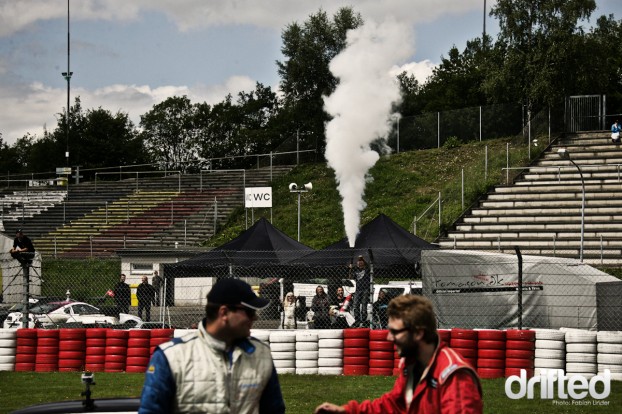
{"type": "Point", "coordinates": [144, 361]}
{"type": "Point", "coordinates": [356, 343]}
{"type": "Point", "coordinates": [519, 363]}
{"type": "Point", "coordinates": [358, 360]}
{"type": "Point", "coordinates": [24, 366]}
{"type": "Point", "coordinates": [466, 352]}
{"type": "Point", "coordinates": [463, 343]}
{"type": "Point", "coordinates": [26, 350]}
{"type": "Point", "coordinates": [47, 333]}
{"type": "Point", "coordinates": [378, 334]}
{"type": "Point", "coordinates": [94, 367]}
{"type": "Point", "coordinates": [381, 363]}
{"type": "Point", "coordinates": [72, 334]}
{"type": "Point", "coordinates": [116, 333]}
{"type": "Point", "coordinates": [516, 371]}
{"type": "Point", "coordinates": [139, 333]}
{"type": "Point", "coordinates": [30, 341]}
{"type": "Point", "coordinates": [138, 343]}
{"type": "Point", "coordinates": [355, 370]}
{"type": "Point", "coordinates": [512, 344]}
{"type": "Point", "coordinates": [490, 373]}
{"type": "Point", "coordinates": [25, 358]}
{"type": "Point", "coordinates": [520, 353]}
{"type": "Point", "coordinates": [491, 335]}
{"type": "Point", "coordinates": [46, 359]}
{"type": "Point", "coordinates": [71, 354]}
{"type": "Point", "coordinates": [490, 363]}
{"type": "Point", "coordinates": [116, 350]}
{"type": "Point", "coordinates": [46, 367]}
{"type": "Point", "coordinates": [135, 369]}
{"type": "Point", "coordinates": [96, 350]}
{"type": "Point", "coordinates": [117, 342]}
{"type": "Point", "coordinates": [95, 342]}
{"type": "Point", "coordinates": [95, 359]}
{"type": "Point", "coordinates": [472, 362]}
{"type": "Point", "coordinates": [355, 352]}
{"type": "Point", "coordinates": [71, 345]}
{"type": "Point", "coordinates": [27, 333]}
{"type": "Point", "coordinates": [114, 358]}
{"type": "Point", "coordinates": [47, 342]}
{"type": "Point", "coordinates": [387, 372]}
{"type": "Point", "coordinates": [47, 350]}
{"type": "Point", "coordinates": [520, 335]}
{"type": "Point", "coordinates": [162, 333]}
{"type": "Point", "coordinates": [138, 352]}
{"type": "Point", "coordinates": [463, 334]}
{"type": "Point", "coordinates": [490, 344]}
{"type": "Point", "coordinates": [75, 364]}
{"type": "Point", "coordinates": [445, 335]}
{"type": "Point", "coordinates": [381, 355]}
{"type": "Point", "coordinates": [93, 333]}
{"type": "Point", "coordinates": [380, 346]}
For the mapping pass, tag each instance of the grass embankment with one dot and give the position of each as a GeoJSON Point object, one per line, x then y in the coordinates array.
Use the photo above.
{"type": "Point", "coordinates": [401, 186]}
{"type": "Point", "coordinates": [302, 393]}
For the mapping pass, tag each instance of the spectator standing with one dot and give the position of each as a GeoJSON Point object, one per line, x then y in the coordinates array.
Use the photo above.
{"type": "Point", "coordinates": [289, 311]}
{"type": "Point", "coordinates": [23, 250]}
{"type": "Point", "coordinates": [320, 308]}
{"type": "Point", "coordinates": [218, 369]}
{"type": "Point", "coordinates": [340, 315]}
{"type": "Point", "coordinates": [616, 128]}
{"type": "Point", "coordinates": [145, 294]}
{"type": "Point", "coordinates": [157, 286]}
{"type": "Point", "coordinates": [122, 295]}
{"type": "Point", "coordinates": [434, 378]}
{"type": "Point", "coordinates": [380, 310]}
{"type": "Point", "coordinates": [361, 274]}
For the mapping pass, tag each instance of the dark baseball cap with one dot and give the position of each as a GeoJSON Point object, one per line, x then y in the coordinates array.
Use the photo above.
{"type": "Point", "coordinates": [235, 292]}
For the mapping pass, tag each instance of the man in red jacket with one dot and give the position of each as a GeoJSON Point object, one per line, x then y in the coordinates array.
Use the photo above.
{"type": "Point", "coordinates": [434, 379]}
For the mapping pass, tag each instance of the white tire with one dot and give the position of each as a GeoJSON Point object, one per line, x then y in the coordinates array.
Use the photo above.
{"type": "Point", "coordinates": [284, 355]}
{"type": "Point", "coordinates": [579, 357]}
{"type": "Point", "coordinates": [330, 362]}
{"type": "Point", "coordinates": [551, 334]}
{"type": "Point", "coordinates": [306, 346]}
{"type": "Point", "coordinates": [8, 343]}
{"type": "Point", "coordinates": [262, 335]}
{"type": "Point", "coordinates": [546, 372]}
{"type": "Point", "coordinates": [9, 359]}
{"type": "Point", "coordinates": [284, 363]}
{"type": "Point", "coordinates": [586, 375]}
{"type": "Point", "coordinates": [286, 370]}
{"type": "Point", "coordinates": [306, 371]}
{"type": "Point", "coordinates": [610, 359]}
{"type": "Point", "coordinates": [549, 363]}
{"type": "Point", "coordinates": [550, 354]}
{"type": "Point", "coordinates": [609, 348]}
{"type": "Point", "coordinates": [616, 376]}
{"type": "Point", "coordinates": [282, 346]}
{"type": "Point", "coordinates": [282, 336]}
{"type": "Point", "coordinates": [579, 367]}
{"type": "Point", "coordinates": [312, 355]}
{"type": "Point", "coordinates": [581, 348]}
{"type": "Point", "coordinates": [330, 353]}
{"type": "Point", "coordinates": [8, 333]}
{"type": "Point", "coordinates": [330, 334]}
{"type": "Point", "coordinates": [610, 337]}
{"type": "Point", "coordinates": [580, 337]}
{"type": "Point", "coordinates": [549, 344]}
{"type": "Point", "coordinates": [305, 363]}
{"type": "Point", "coordinates": [330, 371]}
{"type": "Point", "coordinates": [330, 343]}
{"type": "Point", "coordinates": [7, 367]}
{"type": "Point", "coordinates": [7, 351]}
{"type": "Point", "coordinates": [309, 336]}
{"type": "Point", "coordinates": [612, 368]}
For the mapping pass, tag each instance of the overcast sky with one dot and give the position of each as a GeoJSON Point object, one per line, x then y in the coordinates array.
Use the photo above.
{"type": "Point", "coordinates": [128, 55]}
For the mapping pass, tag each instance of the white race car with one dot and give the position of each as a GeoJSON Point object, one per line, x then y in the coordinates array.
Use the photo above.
{"type": "Point", "coordinates": [55, 313]}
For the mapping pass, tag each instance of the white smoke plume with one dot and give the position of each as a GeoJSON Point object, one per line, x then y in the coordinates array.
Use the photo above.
{"type": "Point", "coordinates": [361, 108]}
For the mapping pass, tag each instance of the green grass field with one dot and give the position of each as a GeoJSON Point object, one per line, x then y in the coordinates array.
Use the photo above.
{"type": "Point", "coordinates": [302, 392]}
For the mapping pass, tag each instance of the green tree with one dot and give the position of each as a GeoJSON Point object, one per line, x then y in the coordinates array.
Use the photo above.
{"type": "Point", "coordinates": [305, 77]}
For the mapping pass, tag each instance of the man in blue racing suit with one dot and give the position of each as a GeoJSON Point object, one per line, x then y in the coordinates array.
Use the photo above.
{"type": "Point", "coordinates": [218, 369]}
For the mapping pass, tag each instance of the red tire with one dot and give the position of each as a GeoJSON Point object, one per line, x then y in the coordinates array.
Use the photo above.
{"type": "Point", "coordinates": [94, 333]}
{"type": "Point", "coordinates": [69, 369]}
{"type": "Point", "coordinates": [96, 350]}
{"type": "Point", "coordinates": [527, 345]}
{"type": "Point", "coordinates": [141, 361]}
{"type": "Point", "coordinates": [26, 333]}
{"type": "Point", "coordinates": [355, 370]}
{"type": "Point", "coordinates": [491, 353]}
{"type": "Point", "coordinates": [26, 350]}
{"type": "Point", "coordinates": [387, 372]}
{"type": "Point", "coordinates": [491, 335]}
{"type": "Point", "coordinates": [381, 363]}
{"type": "Point", "coordinates": [95, 359]}
{"type": "Point", "coordinates": [139, 333]}
{"type": "Point", "coordinates": [520, 353]}
{"type": "Point", "coordinates": [463, 343]}
{"type": "Point", "coordinates": [157, 341]}
{"type": "Point", "coordinates": [46, 367]}
{"type": "Point", "coordinates": [520, 335]}
{"type": "Point", "coordinates": [355, 333]}
{"type": "Point", "coordinates": [114, 358]}
{"type": "Point", "coordinates": [116, 342]}
{"type": "Point", "coordinates": [490, 373]}
{"type": "Point", "coordinates": [491, 363]}
{"type": "Point", "coordinates": [380, 346]}
{"type": "Point", "coordinates": [116, 350]}
{"type": "Point", "coordinates": [471, 361]}
{"type": "Point", "coordinates": [25, 358]}
{"type": "Point", "coordinates": [490, 344]}
{"type": "Point", "coordinates": [29, 341]}
{"type": "Point", "coordinates": [466, 352]}
{"type": "Point", "coordinates": [97, 342]}
{"type": "Point", "coordinates": [114, 367]}
{"type": "Point", "coordinates": [71, 354]}
{"type": "Point", "coordinates": [71, 345]}
{"type": "Point", "coordinates": [116, 333]}
{"type": "Point", "coordinates": [356, 343]}
{"type": "Point", "coordinates": [47, 342]}
{"type": "Point", "coordinates": [463, 334]}
{"type": "Point", "coordinates": [47, 333]}
{"type": "Point", "coordinates": [72, 334]}
{"type": "Point", "coordinates": [516, 371]}
{"type": "Point", "coordinates": [381, 355]}
{"type": "Point", "coordinates": [519, 363]}
{"type": "Point", "coordinates": [70, 363]}
{"type": "Point", "coordinates": [94, 367]}
{"type": "Point", "coordinates": [47, 350]}
{"type": "Point", "coordinates": [25, 366]}
{"type": "Point", "coordinates": [378, 335]}
{"type": "Point", "coordinates": [360, 360]}
{"type": "Point", "coordinates": [444, 334]}
{"type": "Point", "coordinates": [162, 333]}
{"type": "Point", "coordinates": [46, 359]}
{"type": "Point", "coordinates": [355, 352]}
{"type": "Point", "coordinates": [135, 369]}
{"type": "Point", "coordinates": [138, 352]}
{"type": "Point", "coordinates": [138, 343]}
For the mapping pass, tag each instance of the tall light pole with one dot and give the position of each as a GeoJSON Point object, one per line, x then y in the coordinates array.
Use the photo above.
{"type": "Point", "coordinates": [293, 188]}
{"type": "Point", "coordinates": [564, 154]}
{"type": "Point", "coordinates": [67, 76]}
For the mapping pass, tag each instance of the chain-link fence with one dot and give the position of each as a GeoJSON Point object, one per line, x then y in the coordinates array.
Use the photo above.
{"type": "Point", "coordinates": [470, 289]}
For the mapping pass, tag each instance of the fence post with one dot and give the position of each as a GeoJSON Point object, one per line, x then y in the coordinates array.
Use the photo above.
{"type": "Point", "coordinates": [520, 287]}
{"type": "Point", "coordinates": [462, 183]}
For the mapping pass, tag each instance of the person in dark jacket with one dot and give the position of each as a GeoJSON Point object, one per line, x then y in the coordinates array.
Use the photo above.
{"type": "Point", "coordinates": [122, 295]}
{"type": "Point", "coordinates": [23, 250]}
{"type": "Point", "coordinates": [320, 307]}
{"type": "Point", "coordinates": [380, 310]}
{"type": "Point", "coordinates": [360, 273]}
{"type": "Point", "coordinates": [145, 295]}
{"type": "Point", "coordinates": [157, 286]}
